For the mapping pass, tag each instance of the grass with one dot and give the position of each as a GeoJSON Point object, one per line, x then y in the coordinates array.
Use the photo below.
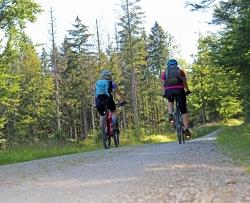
{"type": "Point", "coordinates": [45, 150]}
{"type": "Point", "coordinates": [24, 153]}
{"type": "Point", "coordinates": [202, 130]}
{"type": "Point", "coordinates": [158, 139]}
{"type": "Point", "coordinates": [235, 142]}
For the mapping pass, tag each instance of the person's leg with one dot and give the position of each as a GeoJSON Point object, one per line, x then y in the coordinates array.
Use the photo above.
{"type": "Point", "coordinates": [100, 106]}
{"type": "Point", "coordinates": [181, 98]}
{"type": "Point", "coordinates": [114, 117]}
{"type": "Point", "coordinates": [112, 107]}
{"type": "Point", "coordinates": [170, 105]}
{"type": "Point", "coordinates": [170, 111]}
{"type": "Point", "coordinates": [185, 120]}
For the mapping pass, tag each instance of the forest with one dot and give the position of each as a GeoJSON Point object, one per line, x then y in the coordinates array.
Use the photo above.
{"type": "Point", "coordinates": [50, 94]}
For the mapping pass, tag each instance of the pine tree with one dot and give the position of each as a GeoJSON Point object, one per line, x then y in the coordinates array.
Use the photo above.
{"type": "Point", "coordinates": [132, 49]}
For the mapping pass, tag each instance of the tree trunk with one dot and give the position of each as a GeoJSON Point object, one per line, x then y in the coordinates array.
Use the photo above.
{"type": "Point", "coordinates": [55, 69]}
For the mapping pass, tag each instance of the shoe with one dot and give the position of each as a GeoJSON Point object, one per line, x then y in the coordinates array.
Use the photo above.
{"type": "Point", "coordinates": [187, 133]}
{"type": "Point", "coordinates": [170, 118]}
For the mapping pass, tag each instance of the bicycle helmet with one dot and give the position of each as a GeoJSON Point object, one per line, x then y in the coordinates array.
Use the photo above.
{"type": "Point", "coordinates": [106, 74]}
{"type": "Point", "coordinates": [172, 62]}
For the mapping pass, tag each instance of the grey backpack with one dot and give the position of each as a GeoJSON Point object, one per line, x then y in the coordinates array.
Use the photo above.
{"type": "Point", "coordinates": [173, 75]}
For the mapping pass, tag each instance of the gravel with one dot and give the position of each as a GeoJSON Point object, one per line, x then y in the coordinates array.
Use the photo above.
{"type": "Point", "coordinates": [168, 172]}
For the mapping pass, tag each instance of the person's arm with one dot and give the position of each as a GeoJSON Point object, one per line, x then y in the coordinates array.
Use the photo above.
{"type": "Point", "coordinates": [185, 81]}
{"type": "Point", "coordinates": [118, 92]}
{"type": "Point", "coordinates": [186, 85]}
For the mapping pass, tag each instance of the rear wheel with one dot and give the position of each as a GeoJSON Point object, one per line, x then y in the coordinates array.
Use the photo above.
{"type": "Point", "coordinates": [179, 128]}
{"type": "Point", "coordinates": [179, 136]}
{"type": "Point", "coordinates": [105, 138]}
{"type": "Point", "coordinates": [183, 135]}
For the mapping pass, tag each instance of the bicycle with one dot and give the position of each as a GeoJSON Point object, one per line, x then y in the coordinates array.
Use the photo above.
{"type": "Point", "coordinates": [179, 126]}
{"type": "Point", "coordinates": [108, 130]}
{"type": "Point", "coordinates": [178, 123]}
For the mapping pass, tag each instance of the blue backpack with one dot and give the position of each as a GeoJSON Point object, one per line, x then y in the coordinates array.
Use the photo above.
{"type": "Point", "coordinates": [103, 87]}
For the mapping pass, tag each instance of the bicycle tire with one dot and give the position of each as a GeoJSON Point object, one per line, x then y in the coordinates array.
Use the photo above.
{"type": "Point", "coordinates": [183, 136]}
{"type": "Point", "coordinates": [116, 139]}
{"type": "Point", "coordinates": [116, 134]}
{"type": "Point", "coordinates": [177, 127]}
{"type": "Point", "coordinates": [105, 138]}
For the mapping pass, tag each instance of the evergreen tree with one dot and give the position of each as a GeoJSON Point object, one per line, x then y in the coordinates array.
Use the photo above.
{"type": "Point", "coordinates": [80, 70]}
{"type": "Point", "coordinates": [231, 51]}
{"type": "Point", "coordinates": [132, 48]}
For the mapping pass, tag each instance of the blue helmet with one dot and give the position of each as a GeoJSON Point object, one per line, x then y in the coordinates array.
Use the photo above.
{"type": "Point", "coordinates": [106, 74]}
{"type": "Point", "coordinates": [172, 62]}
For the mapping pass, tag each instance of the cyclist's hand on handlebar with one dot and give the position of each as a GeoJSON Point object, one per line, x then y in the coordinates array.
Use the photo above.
{"type": "Point", "coordinates": [122, 103]}
{"type": "Point", "coordinates": [188, 92]}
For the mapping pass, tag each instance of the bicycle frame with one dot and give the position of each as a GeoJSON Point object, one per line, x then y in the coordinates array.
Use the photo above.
{"type": "Point", "coordinates": [109, 123]}
{"type": "Point", "coordinates": [107, 130]}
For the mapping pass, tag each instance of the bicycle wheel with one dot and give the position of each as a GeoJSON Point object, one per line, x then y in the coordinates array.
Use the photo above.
{"type": "Point", "coordinates": [116, 135]}
{"type": "Point", "coordinates": [183, 135]}
{"type": "Point", "coordinates": [177, 127]}
{"type": "Point", "coordinates": [116, 139]}
{"type": "Point", "coordinates": [105, 138]}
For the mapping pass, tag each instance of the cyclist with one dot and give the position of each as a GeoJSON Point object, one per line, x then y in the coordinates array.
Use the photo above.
{"type": "Point", "coordinates": [174, 84]}
{"type": "Point", "coordinates": [104, 89]}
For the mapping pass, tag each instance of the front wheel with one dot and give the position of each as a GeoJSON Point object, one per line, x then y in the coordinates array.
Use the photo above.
{"type": "Point", "coordinates": [116, 139]}
{"type": "Point", "coordinates": [116, 133]}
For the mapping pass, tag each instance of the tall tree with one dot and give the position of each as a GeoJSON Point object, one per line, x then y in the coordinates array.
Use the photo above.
{"type": "Point", "coordinates": [215, 90]}
{"type": "Point", "coordinates": [130, 41]}
{"type": "Point", "coordinates": [79, 42]}
{"type": "Point", "coordinates": [55, 71]}
{"type": "Point", "coordinates": [232, 49]}
{"type": "Point", "coordinates": [160, 47]}
{"type": "Point", "coordinates": [13, 17]}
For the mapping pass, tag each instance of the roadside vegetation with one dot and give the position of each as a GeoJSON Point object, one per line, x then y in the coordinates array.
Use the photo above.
{"type": "Point", "coordinates": [234, 141]}
{"type": "Point", "coordinates": [58, 146]}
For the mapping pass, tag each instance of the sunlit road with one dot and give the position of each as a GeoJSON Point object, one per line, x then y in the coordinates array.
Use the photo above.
{"type": "Point", "coordinates": [168, 172]}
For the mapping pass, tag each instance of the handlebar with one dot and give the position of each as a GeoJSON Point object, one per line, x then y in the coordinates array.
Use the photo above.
{"type": "Point", "coordinates": [121, 103]}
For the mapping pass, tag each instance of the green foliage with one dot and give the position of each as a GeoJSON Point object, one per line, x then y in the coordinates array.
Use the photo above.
{"type": "Point", "coordinates": [216, 90]}
{"type": "Point", "coordinates": [231, 49]}
{"type": "Point", "coordinates": [202, 130]}
{"type": "Point", "coordinates": [219, 78]}
{"type": "Point", "coordinates": [235, 142]}
{"type": "Point", "coordinates": [39, 151]}
{"type": "Point", "coordinates": [18, 13]}
{"type": "Point", "coordinates": [36, 107]}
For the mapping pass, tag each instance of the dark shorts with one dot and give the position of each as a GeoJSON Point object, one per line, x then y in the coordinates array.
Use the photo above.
{"type": "Point", "coordinates": [180, 96]}
{"type": "Point", "coordinates": [101, 101]}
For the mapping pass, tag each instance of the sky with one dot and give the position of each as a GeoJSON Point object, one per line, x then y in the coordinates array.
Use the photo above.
{"type": "Point", "coordinates": [171, 15]}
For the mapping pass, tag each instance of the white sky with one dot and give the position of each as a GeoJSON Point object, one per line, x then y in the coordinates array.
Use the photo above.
{"type": "Point", "coordinates": [184, 25]}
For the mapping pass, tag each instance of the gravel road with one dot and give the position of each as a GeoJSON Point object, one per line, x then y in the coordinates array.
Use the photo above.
{"type": "Point", "coordinates": [168, 172]}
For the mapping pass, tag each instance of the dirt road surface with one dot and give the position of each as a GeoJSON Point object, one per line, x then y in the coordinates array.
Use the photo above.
{"type": "Point", "coordinates": [168, 172]}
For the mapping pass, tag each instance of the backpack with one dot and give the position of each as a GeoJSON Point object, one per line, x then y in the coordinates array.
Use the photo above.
{"type": "Point", "coordinates": [103, 87]}
{"type": "Point", "coordinates": [173, 75]}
